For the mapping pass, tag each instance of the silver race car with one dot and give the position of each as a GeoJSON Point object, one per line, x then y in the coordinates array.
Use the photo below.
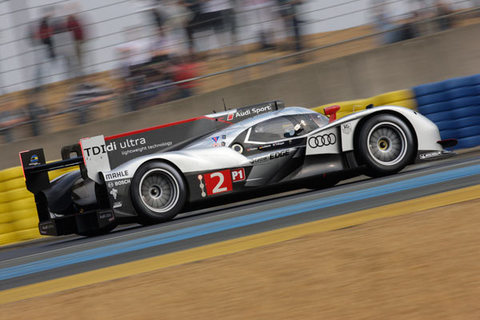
{"type": "Point", "coordinates": [151, 175]}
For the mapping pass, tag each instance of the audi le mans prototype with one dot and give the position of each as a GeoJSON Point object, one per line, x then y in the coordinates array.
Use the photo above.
{"type": "Point", "coordinates": [151, 175]}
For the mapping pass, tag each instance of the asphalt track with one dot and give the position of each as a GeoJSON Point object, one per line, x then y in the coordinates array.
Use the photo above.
{"type": "Point", "coordinates": [40, 261]}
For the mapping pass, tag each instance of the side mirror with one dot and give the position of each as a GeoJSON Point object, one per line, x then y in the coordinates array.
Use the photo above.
{"type": "Point", "coordinates": [331, 112]}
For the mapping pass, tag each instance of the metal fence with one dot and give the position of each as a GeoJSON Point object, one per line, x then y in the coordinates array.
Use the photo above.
{"type": "Point", "coordinates": [235, 68]}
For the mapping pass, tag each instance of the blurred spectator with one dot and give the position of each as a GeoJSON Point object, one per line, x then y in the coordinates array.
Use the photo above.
{"type": "Point", "coordinates": [34, 112]}
{"type": "Point", "coordinates": [46, 30]}
{"type": "Point", "coordinates": [216, 15]}
{"type": "Point", "coordinates": [65, 42]}
{"type": "Point", "coordinates": [261, 16]}
{"type": "Point", "coordinates": [177, 16]}
{"type": "Point", "coordinates": [134, 53]}
{"type": "Point", "coordinates": [383, 23]}
{"type": "Point", "coordinates": [160, 47]}
{"type": "Point", "coordinates": [288, 9]}
{"type": "Point", "coordinates": [442, 10]}
{"type": "Point", "coordinates": [84, 97]}
{"type": "Point", "coordinates": [185, 68]}
{"type": "Point", "coordinates": [75, 26]}
{"type": "Point", "coordinates": [9, 117]}
{"type": "Point", "coordinates": [393, 31]}
{"type": "Point", "coordinates": [220, 16]}
{"type": "Point", "coordinates": [195, 22]}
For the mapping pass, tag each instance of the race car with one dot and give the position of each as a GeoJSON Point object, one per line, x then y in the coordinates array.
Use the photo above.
{"type": "Point", "coordinates": [151, 175]}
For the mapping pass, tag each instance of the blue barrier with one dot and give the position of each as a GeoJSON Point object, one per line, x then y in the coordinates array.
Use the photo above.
{"type": "Point", "coordinates": [454, 106]}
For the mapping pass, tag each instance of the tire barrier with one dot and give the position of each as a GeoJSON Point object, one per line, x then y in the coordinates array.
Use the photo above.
{"type": "Point", "coordinates": [18, 214]}
{"type": "Point", "coordinates": [454, 106]}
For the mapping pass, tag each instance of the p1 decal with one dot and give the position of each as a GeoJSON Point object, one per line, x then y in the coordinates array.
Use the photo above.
{"type": "Point", "coordinates": [218, 182]}
{"type": "Point", "coordinates": [238, 175]}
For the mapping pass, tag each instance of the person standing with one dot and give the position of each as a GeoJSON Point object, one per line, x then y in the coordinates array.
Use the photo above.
{"type": "Point", "coordinates": [195, 22]}
{"type": "Point", "coordinates": [45, 32]}
{"type": "Point", "coordinates": [288, 9]}
{"type": "Point", "coordinates": [260, 14]}
{"type": "Point", "coordinates": [75, 26]}
{"type": "Point", "coordinates": [220, 16]}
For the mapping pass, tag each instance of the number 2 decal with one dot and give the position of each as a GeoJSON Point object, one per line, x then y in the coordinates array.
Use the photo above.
{"type": "Point", "coordinates": [218, 188]}
{"type": "Point", "coordinates": [218, 182]}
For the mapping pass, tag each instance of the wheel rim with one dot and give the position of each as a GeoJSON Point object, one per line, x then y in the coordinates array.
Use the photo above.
{"type": "Point", "coordinates": [387, 143]}
{"type": "Point", "coordinates": [159, 190]}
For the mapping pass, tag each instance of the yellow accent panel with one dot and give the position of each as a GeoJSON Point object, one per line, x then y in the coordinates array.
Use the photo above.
{"type": "Point", "coordinates": [239, 244]}
{"type": "Point", "coordinates": [403, 98]}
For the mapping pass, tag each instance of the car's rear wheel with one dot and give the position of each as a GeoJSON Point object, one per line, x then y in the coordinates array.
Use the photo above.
{"type": "Point", "coordinates": [385, 145]}
{"type": "Point", "coordinates": [158, 192]}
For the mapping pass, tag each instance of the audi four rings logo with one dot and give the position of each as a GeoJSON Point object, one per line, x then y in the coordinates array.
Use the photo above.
{"type": "Point", "coordinates": [322, 141]}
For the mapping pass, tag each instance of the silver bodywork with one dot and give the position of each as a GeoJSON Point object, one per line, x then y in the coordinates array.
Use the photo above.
{"type": "Point", "coordinates": [201, 156]}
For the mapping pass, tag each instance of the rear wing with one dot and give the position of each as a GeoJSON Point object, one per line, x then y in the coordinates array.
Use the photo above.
{"type": "Point", "coordinates": [35, 168]}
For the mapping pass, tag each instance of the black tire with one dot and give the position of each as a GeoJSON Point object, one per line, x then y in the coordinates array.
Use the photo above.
{"type": "Point", "coordinates": [153, 184]}
{"type": "Point", "coordinates": [385, 145]}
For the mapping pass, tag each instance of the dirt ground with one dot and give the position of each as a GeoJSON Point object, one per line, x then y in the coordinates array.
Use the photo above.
{"type": "Point", "coordinates": [418, 266]}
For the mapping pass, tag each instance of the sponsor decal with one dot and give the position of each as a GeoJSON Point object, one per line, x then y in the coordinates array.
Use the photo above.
{"type": "Point", "coordinates": [218, 182]}
{"type": "Point", "coordinates": [271, 156]}
{"type": "Point", "coordinates": [114, 193]}
{"type": "Point", "coordinates": [34, 161]}
{"type": "Point", "coordinates": [260, 159]}
{"type": "Point", "coordinates": [254, 111]}
{"type": "Point", "coordinates": [264, 147]}
{"type": "Point", "coordinates": [106, 215]}
{"type": "Point", "coordinates": [118, 183]}
{"type": "Point", "coordinates": [126, 146]}
{"type": "Point", "coordinates": [346, 128]}
{"type": "Point", "coordinates": [322, 140]}
{"type": "Point", "coordinates": [238, 175]}
{"type": "Point", "coordinates": [279, 154]}
{"type": "Point", "coordinates": [252, 149]}
{"type": "Point", "coordinates": [116, 175]}
{"type": "Point", "coordinates": [217, 139]}
{"type": "Point", "coordinates": [429, 155]}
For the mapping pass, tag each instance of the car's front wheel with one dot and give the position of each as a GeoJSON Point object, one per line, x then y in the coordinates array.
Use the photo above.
{"type": "Point", "coordinates": [385, 145]}
{"type": "Point", "coordinates": [158, 192]}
